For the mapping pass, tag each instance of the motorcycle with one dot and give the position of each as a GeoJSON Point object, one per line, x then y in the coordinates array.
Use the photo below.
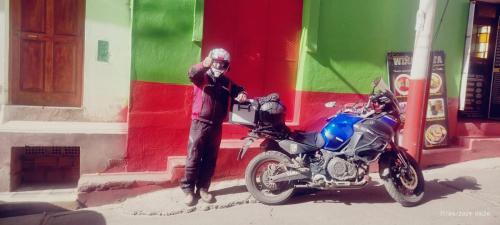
{"type": "Point", "coordinates": [337, 157]}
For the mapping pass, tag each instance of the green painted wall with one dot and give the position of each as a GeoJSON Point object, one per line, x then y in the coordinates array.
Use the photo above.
{"type": "Point", "coordinates": [344, 43]}
{"type": "Point", "coordinates": [164, 41]}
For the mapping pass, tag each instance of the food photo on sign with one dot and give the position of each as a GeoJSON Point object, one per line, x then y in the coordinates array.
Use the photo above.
{"type": "Point", "coordinates": [435, 108]}
{"type": "Point", "coordinates": [402, 84]}
{"type": "Point", "coordinates": [436, 84]}
{"type": "Point", "coordinates": [435, 134]}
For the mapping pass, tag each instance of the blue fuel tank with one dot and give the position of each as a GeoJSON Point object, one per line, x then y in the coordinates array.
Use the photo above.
{"type": "Point", "coordinates": [339, 130]}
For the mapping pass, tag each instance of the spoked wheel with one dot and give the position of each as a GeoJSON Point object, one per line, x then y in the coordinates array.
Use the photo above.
{"type": "Point", "coordinates": [258, 182]}
{"type": "Point", "coordinates": [404, 184]}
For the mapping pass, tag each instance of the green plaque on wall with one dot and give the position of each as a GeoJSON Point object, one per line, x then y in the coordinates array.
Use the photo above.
{"type": "Point", "coordinates": [102, 51]}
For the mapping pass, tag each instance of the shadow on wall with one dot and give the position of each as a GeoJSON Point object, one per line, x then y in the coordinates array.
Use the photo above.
{"type": "Point", "coordinates": [163, 49]}
{"type": "Point", "coordinates": [351, 40]}
{"type": "Point", "coordinates": [38, 212]}
{"type": "Point", "coordinates": [158, 20]}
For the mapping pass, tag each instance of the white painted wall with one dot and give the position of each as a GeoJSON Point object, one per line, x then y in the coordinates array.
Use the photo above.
{"type": "Point", "coordinates": [4, 51]}
{"type": "Point", "coordinates": [106, 89]}
{"type": "Point", "coordinates": [107, 85]}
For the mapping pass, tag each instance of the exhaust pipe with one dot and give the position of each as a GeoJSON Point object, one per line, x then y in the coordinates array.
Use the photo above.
{"type": "Point", "coordinates": [328, 185]}
{"type": "Point", "coordinates": [347, 184]}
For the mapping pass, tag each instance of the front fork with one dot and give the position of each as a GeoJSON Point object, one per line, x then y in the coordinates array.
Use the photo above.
{"type": "Point", "coordinates": [401, 154]}
{"type": "Point", "coordinates": [395, 152]}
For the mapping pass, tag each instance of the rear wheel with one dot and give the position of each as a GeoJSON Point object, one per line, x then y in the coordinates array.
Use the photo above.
{"type": "Point", "coordinates": [404, 184]}
{"type": "Point", "coordinates": [257, 175]}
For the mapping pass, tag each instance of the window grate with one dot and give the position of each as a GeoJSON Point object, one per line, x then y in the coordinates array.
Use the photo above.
{"type": "Point", "coordinates": [42, 165]}
{"type": "Point", "coordinates": [71, 151]}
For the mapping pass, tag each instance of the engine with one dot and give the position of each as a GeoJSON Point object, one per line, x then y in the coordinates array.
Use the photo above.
{"type": "Point", "coordinates": [328, 165]}
{"type": "Point", "coordinates": [340, 169]}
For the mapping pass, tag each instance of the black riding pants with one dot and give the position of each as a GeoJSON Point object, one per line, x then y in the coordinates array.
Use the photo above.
{"type": "Point", "coordinates": [203, 146]}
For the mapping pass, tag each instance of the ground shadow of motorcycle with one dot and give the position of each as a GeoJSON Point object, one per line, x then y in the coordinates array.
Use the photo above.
{"type": "Point", "coordinates": [374, 192]}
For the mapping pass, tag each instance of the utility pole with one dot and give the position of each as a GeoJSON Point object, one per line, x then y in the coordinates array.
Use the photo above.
{"type": "Point", "coordinates": [419, 79]}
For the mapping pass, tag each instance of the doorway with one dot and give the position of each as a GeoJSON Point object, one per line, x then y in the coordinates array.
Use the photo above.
{"type": "Point", "coordinates": [263, 39]}
{"type": "Point", "coordinates": [46, 52]}
{"type": "Point", "coordinates": [480, 91]}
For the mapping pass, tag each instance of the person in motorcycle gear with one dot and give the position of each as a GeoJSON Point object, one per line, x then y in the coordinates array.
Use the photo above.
{"type": "Point", "coordinates": [213, 92]}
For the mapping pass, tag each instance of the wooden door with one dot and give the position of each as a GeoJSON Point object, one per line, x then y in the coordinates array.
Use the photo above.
{"type": "Point", "coordinates": [263, 39]}
{"type": "Point", "coordinates": [46, 52]}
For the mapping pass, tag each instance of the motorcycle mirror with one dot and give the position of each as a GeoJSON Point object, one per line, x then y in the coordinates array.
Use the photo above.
{"type": "Point", "coordinates": [376, 81]}
{"type": "Point", "coordinates": [330, 104]}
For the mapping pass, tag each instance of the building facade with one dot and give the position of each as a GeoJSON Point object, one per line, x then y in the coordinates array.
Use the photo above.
{"type": "Point", "coordinates": [310, 52]}
{"type": "Point", "coordinates": [136, 55]}
{"type": "Point", "coordinates": [64, 89]}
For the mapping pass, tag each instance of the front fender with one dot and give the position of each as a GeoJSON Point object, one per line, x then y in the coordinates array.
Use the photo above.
{"type": "Point", "coordinates": [384, 163]}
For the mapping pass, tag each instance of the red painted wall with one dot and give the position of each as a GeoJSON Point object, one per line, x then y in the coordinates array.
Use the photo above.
{"type": "Point", "coordinates": [263, 38]}
{"type": "Point", "coordinates": [158, 123]}
{"type": "Point", "coordinates": [160, 119]}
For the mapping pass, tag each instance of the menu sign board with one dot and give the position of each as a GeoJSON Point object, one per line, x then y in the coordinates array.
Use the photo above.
{"type": "Point", "coordinates": [436, 127]}
{"type": "Point", "coordinates": [475, 104]}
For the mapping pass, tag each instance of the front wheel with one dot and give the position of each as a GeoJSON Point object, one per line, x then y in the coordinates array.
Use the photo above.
{"type": "Point", "coordinates": [257, 175]}
{"type": "Point", "coordinates": [404, 184]}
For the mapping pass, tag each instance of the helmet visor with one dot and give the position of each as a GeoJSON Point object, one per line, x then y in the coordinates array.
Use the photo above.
{"type": "Point", "coordinates": [220, 65]}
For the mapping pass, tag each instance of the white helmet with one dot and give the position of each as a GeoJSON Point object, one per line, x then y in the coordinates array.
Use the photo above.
{"type": "Point", "coordinates": [220, 63]}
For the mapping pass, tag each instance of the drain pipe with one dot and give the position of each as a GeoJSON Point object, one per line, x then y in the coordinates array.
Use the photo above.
{"type": "Point", "coordinates": [419, 79]}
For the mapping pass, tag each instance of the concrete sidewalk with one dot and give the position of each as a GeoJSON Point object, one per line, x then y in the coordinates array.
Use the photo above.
{"type": "Point", "coordinates": [464, 193]}
{"type": "Point", "coordinates": [457, 177]}
{"type": "Point", "coordinates": [108, 188]}
{"type": "Point", "coordinates": [170, 202]}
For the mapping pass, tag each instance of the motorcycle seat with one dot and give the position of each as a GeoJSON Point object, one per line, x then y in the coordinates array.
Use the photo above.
{"type": "Point", "coordinates": [312, 139]}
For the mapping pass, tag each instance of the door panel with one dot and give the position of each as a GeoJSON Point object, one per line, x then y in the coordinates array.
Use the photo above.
{"type": "Point", "coordinates": [32, 65]}
{"type": "Point", "coordinates": [46, 52]}
{"type": "Point", "coordinates": [263, 38]}
{"type": "Point", "coordinates": [65, 72]}
{"type": "Point", "coordinates": [33, 14]}
{"type": "Point", "coordinates": [65, 11]}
